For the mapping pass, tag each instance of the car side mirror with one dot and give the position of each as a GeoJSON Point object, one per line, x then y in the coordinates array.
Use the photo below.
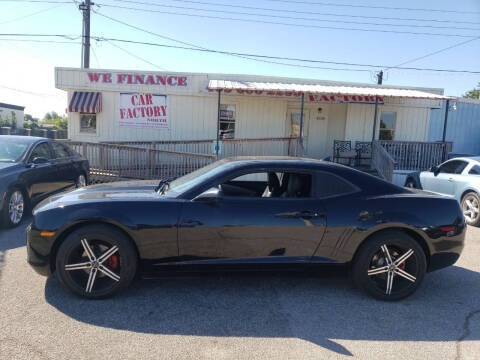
{"type": "Point", "coordinates": [40, 160]}
{"type": "Point", "coordinates": [435, 170]}
{"type": "Point", "coordinates": [212, 195]}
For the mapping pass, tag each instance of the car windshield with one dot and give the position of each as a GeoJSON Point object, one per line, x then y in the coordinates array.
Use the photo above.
{"type": "Point", "coordinates": [196, 177]}
{"type": "Point", "coordinates": [12, 151]}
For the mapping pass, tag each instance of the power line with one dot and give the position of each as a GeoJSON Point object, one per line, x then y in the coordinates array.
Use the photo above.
{"type": "Point", "coordinates": [290, 11]}
{"type": "Point", "coordinates": [29, 15]}
{"type": "Point", "coordinates": [203, 48]}
{"type": "Point", "coordinates": [285, 58]}
{"type": "Point", "coordinates": [286, 24]}
{"type": "Point", "coordinates": [288, 17]}
{"type": "Point", "coordinates": [42, 41]}
{"type": "Point", "coordinates": [374, 7]}
{"type": "Point", "coordinates": [28, 92]}
{"type": "Point", "coordinates": [38, 1]}
{"type": "Point", "coordinates": [136, 56]}
{"type": "Point", "coordinates": [436, 52]}
{"type": "Point", "coordinates": [98, 38]}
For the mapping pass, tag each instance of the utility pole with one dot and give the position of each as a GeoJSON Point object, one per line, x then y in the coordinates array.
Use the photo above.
{"type": "Point", "coordinates": [85, 7]}
{"type": "Point", "coordinates": [379, 82]}
{"type": "Point", "coordinates": [380, 77]}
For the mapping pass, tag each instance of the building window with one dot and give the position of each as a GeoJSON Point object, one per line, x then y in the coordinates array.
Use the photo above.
{"type": "Point", "coordinates": [88, 123]}
{"type": "Point", "coordinates": [387, 125]}
{"type": "Point", "coordinates": [227, 121]}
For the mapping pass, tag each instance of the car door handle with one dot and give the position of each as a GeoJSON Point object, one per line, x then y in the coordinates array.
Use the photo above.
{"type": "Point", "coordinates": [301, 214]}
{"type": "Point", "coordinates": [190, 223]}
{"type": "Point", "coordinates": [450, 179]}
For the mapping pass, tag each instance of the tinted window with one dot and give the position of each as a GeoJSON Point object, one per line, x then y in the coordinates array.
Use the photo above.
{"type": "Point", "coordinates": [60, 150]}
{"type": "Point", "coordinates": [331, 185]}
{"type": "Point", "coordinates": [453, 167]}
{"type": "Point", "coordinates": [41, 150]}
{"type": "Point", "coordinates": [475, 170]}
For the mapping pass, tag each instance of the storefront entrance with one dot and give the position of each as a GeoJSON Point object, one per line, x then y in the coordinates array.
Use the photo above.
{"type": "Point", "coordinates": [314, 131]}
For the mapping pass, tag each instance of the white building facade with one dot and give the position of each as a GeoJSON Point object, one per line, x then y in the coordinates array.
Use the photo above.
{"type": "Point", "coordinates": [124, 105]}
{"type": "Point", "coordinates": [9, 112]}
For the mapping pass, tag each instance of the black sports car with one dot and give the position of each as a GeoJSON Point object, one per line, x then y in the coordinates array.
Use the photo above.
{"type": "Point", "coordinates": [247, 213]}
{"type": "Point", "coordinates": [32, 169]}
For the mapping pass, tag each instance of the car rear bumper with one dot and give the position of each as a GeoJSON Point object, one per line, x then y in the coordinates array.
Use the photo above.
{"type": "Point", "coordinates": [447, 249]}
{"type": "Point", "coordinates": [38, 251]}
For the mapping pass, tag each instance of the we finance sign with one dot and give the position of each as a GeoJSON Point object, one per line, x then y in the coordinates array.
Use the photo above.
{"type": "Point", "coordinates": [143, 110]}
{"type": "Point", "coordinates": [127, 78]}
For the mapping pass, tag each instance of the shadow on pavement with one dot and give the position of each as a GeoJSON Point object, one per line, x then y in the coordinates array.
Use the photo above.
{"type": "Point", "coordinates": [318, 310]}
{"type": "Point", "coordinates": [15, 237]}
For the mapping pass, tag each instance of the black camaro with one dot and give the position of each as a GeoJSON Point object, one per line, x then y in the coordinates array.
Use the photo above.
{"type": "Point", "coordinates": [32, 169]}
{"type": "Point", "coordinates": [247, 213]}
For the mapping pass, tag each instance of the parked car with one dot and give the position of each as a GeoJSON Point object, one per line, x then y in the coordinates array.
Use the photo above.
{"type": "Point", "coordinates": [248, 213]}
{"type": "Point", "coordinates": [458, 178]}
{"type": "Point", "coordinates": [32, 169]}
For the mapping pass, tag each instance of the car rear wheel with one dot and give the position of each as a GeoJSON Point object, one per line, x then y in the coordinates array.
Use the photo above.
{"type": "Point", "coordinates": [389, 266]}
{"type": "Point", "coordinates": [96, 261]}
{"type": "Point", "coordinates": [14, 207]}
{"type": "Point", "coordinates": [470, 208]}
{"type": "Point", "coordinates": [411, 183]}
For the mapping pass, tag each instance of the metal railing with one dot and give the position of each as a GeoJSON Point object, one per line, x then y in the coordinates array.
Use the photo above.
{"type": "Point", "coordinates": [40, 132]}
{"type": "Point", "coordinates": [382, 161]}
{"type": "Point", "coordinates": [416, 155]}
{"type": "Point", "coordinates": [285, 146]}
{"type": "Point", "coordinates": [111, 161]}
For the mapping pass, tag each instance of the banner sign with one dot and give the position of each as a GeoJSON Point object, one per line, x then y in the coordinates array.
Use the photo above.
{"type": "Point", "coordinates": [126, 78]}
{"type": "Point", "coordinates": [143, 110]}
{"type": "Point", "coordinates": [316, 98]}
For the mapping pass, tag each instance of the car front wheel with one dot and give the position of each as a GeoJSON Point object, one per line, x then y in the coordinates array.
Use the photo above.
{"type": "Point", "coordinates": [470, 208]}
{"type": "Point", "coordinates": [411, 183]}
{"type": "Point", "coordinates": [96, 261]}
{"type": "Point", "coordinates": [389, 266]}
{"type": "Point", "coordinates": [14, 207]}
{"type": "Point", "coordinates": [81, 181]}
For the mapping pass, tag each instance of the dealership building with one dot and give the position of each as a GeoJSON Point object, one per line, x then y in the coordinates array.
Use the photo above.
{"type": "Point", "coordinates": [124, 105]}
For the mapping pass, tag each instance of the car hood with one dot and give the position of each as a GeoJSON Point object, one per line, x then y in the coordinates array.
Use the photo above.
{"type": "Point", "coordinates": [125, 190]}
{"type": "Point", "coordinates": [7, 166]}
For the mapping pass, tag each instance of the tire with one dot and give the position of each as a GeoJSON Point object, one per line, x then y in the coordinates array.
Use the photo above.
{"type": "Point", "coordinates": [81, 181]}
{"type": "Point", "coordinates": [470, 208]}
{"type": "Point", "coordinates": [371, 257]}
{"type": "Point", "coordinates": [14, 208]}
{"type": "Point", "coordinates": [112, 274]}
{"type": "Point", "coordinates": [411, 183]}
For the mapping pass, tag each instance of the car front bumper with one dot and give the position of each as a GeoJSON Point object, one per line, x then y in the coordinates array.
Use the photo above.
{"type": "Point", "coordinates": [39, 251]}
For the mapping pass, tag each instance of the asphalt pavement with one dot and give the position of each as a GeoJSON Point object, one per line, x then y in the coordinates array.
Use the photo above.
{"type": "Point", "coordinates": [238, 317]}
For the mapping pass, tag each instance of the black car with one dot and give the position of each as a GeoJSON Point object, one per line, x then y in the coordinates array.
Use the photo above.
{"type": "Point", "coordinates": [32, 169]}
{"type": "Point", "coordinates": [247, 214]}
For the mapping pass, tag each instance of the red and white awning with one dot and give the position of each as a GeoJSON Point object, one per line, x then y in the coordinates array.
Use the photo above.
{"type": "Point", "coordinates": [86, 102]}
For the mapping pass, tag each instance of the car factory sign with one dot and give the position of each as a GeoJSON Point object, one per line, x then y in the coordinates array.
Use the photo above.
{"type": "Point", "coordinates": [143, 110]}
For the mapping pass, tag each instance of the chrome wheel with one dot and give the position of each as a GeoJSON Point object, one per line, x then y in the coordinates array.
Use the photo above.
{"type": "Point", "coordinates": [97, 263]}
{"type": "Point", "coordinates": [410, 184]}
{"type": "Point", "coordinates": [16, 206]}
{"type": "Point", "coordinates": [81, 181]}
{"type": "Point", "coordinates": [470, 208]}
{"type": "Point", "coordinates": [393, 269]}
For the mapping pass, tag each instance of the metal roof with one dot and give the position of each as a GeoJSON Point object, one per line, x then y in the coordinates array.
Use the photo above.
{"type": "Point", "coordinates": [323, 89]}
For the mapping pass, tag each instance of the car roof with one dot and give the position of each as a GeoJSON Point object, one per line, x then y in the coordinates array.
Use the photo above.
{"type": "Point", "coordinates": [474, 158]}
{"type": "Point", "coordinates": [21, 139]}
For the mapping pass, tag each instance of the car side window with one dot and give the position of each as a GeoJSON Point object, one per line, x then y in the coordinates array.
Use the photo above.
{"type": "Point", "coordinates": [332, 185]}
{"type": "Point", "coordinates": [453, 167]}
{"type": "Point", "coordinates": [475, 170]}
{"type": "Point", "coordinates": [41, 150]}
{"type": "Point", "coordinates": [60, 151]}
{"type": "Point", "coordinates": [272, 184]}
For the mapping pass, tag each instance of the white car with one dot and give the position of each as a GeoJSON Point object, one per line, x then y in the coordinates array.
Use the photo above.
{"type": "Point", "coordinates": [458, 178]}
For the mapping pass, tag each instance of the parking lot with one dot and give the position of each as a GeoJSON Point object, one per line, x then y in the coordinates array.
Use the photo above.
{"type": "Point", "coordinates": [241, 317]}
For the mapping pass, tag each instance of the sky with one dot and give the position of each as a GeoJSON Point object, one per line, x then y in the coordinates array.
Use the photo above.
{"type": "Point", "coordinates": [27, 68]}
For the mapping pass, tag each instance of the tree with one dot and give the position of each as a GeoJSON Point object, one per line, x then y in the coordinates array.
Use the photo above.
{"type": "Point", "coordinates": [30, 122]}
{"type": "Point", "coordinates": [9, 121]}
{"type": "Point", "coordinates": [52, 118]}
{"type": "Point", "coordinates": [474, 93]}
